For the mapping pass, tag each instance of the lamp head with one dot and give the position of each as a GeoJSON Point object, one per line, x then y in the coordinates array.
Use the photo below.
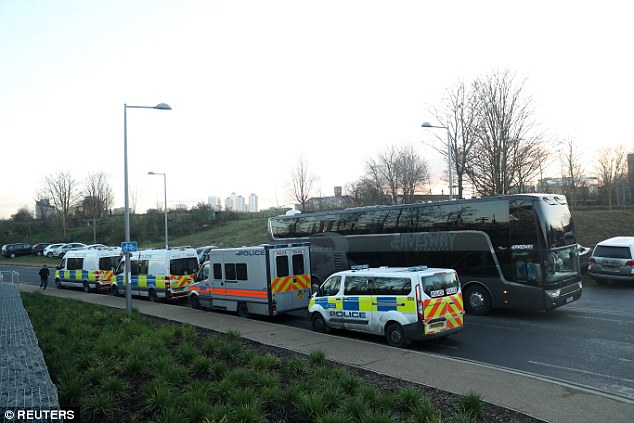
{"type": "Point", "coordinates": [427, 125]}
{"type": "Point", "coordinates": [162, 106]}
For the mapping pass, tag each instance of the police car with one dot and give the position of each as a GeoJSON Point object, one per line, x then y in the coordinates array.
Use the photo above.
{"type": "Point", "coordinates": [404, 304]}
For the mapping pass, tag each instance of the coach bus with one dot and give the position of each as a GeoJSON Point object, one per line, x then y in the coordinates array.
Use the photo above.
{"type": "Point", "coordinates": [512, 251]}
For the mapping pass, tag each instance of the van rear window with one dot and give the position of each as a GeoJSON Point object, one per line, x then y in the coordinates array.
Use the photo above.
{"type": "Point", "coordinates": [612, 252]}
{"type": "Point", "coordinates": [440, 284]}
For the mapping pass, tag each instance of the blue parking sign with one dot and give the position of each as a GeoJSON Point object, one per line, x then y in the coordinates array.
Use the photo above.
{"type": "Point", "coordinates": [128, 247]}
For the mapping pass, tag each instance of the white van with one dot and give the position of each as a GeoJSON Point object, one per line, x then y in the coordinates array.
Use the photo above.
{"type": "Point", "coordinates": [88, 269]}
{"type": "Point", "coordinates": [158, 274]}
{"type": "Point", "coordinates": [265, 280]}
{"type": "Point", "coordinates": [404, 304]}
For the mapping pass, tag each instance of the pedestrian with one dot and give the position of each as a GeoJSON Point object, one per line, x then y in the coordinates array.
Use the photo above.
{"type": "Point", "coordinates": [44, 277]}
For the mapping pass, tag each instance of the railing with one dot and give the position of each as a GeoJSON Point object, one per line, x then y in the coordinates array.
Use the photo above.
{"type": "Point", "coordinates": [10, 277]}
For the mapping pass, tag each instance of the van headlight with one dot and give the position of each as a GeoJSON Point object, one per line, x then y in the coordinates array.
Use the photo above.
{"type": "Point", "coordinates": [553, 293]}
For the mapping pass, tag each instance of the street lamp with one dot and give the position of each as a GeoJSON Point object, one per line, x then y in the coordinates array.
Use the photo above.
{"type": "Point", "coordinates": [165, 207]}
{"type": "Point", "coordinates": [126, 211]}
{"type": "Point", "coordinates": [429, 125]}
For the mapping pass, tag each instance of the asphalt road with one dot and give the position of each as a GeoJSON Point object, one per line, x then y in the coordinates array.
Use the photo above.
{"type": "Point", "coordinates": [589, 343]}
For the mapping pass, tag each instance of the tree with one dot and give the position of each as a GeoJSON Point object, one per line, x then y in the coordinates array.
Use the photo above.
{"type": "Point", "coordinates": [611, 170]}
{"type": "Point", "coordinates": [364, 192]}
{"type": "Point", "coordinates": [508, 150]}
{"type": "Point", "coordinates": [301, 183]}
{"type": "Point", "coordinates": [98, 195]}
{"type": "Point", "coordinates": [61, 191]}
{"type": "Point", "coordinates": [571, 171]}
{"type": "Point", "coordinates": [459, 113]}
{"type": "Point", "coordinates": [397, 173]}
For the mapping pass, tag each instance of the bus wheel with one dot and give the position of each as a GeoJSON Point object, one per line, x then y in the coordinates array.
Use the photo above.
{"type": "Point", "coordinates": [194, 301]}
{"type": "Point", "coordinates": [86, 287]}
{"type": "Point", "coordinates": [396, 336]}
{"type": "Point", "coordinates": [319, 324]}
{"type": "Point", "coordinates": [243, 310]}
{"type": "Point", "coordinates": [478, 301]}
{"type": "Point", "coordinates": [153, 296]}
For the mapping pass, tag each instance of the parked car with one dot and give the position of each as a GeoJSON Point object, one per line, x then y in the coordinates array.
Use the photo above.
{"type": "Point", "coordinates": [17, 249]}
{"type": "Point", "coordinates": [70, 246]}
{"type": "Point", "coordinates": [38, 249]}
{"type": "Point", "coordinates": [53, 249]}
{"type": "Point", "coordinates": [203, 252]}
{"type": "Point", "coordinates": [95, 246]}
{"type": "Point", "coordinates": [612, 260]}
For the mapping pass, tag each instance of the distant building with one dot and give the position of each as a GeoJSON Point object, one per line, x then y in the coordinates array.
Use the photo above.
{"type": "Point", "coordinates": [43, 209]}
{"type": "Point", "coordinates": [214, 202]}
{"type": "Point", "coordinates": [234, 202]}
{"type": "Point", "coordinates": [180, 207]}
{"type": "Point", "coordinates": [253, 203]}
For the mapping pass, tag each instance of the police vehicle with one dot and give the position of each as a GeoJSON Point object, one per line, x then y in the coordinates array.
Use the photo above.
{"type": "Point", "coordinates": [264, 280]}
{"type": "Point", "coordinates": [403, 304]}
{"type": "Point", "coordinates": [90, 269]}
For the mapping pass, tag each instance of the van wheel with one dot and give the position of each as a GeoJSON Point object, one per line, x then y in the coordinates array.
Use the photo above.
{"type": "Point", "coordinates": [243, 310]}
{"type": "Point", "coordinates": [58, 284]}
{"type": "Point", "coordinates": [114, 290]}
{"type": "Point", "coordinates": [319, 323]}
{"type": "Point", "coordinates": [153, 296]}
{"type": "Point", "coordinates": [194, 301]}
{"type": "Point", "coordinates": [86, 287]}
{"type": "Point", "coordinates": [478, 301]}
{"type": "Point", "coordinates": [396, 336]}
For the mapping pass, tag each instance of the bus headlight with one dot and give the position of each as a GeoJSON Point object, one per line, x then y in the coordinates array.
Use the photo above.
{"type": "Point", "coordinates": [553, 293]}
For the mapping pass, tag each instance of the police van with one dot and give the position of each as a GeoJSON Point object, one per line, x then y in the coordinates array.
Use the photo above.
{"type": "Point", "coordinates": [158, 273]}
{"type": "Point", "coordinates": [90, 269]}
{"type": "Point", "coordinates": [264, 280]}
{"type": "Point", "coordinates": [403, 304]}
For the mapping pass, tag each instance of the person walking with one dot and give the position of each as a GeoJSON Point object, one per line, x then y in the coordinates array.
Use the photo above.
{"type": "Point", "coordinates": [44, 277]}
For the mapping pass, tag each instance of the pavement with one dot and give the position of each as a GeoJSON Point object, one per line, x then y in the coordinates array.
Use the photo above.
{"type": "Point", "coordinates": [537, 397]}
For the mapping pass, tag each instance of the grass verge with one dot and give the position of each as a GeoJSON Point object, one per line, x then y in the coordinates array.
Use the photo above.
{"type": "Point", "coordinates": [135, 368]}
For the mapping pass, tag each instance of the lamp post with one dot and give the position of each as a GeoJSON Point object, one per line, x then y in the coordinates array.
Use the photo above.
{"type": "Point", "coordinates": [126, 211]}
{"type": "Point", "coordinates": [429, 125]}
{"type": "Point", "coordinates": [165, 207]}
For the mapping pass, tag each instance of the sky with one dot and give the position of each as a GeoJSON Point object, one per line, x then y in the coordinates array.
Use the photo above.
{"type": "Point", "coordinates": [255, 85]}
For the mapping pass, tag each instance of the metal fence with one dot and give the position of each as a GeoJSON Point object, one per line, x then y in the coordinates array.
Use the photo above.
{"type": "Point", "coordinates": [10, 277]}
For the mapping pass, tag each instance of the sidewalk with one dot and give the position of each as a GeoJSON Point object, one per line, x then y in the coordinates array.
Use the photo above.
{"type": "Point", "coordinates": [24, 379]}
{"type": "Point", "coordinates": [536, 397]}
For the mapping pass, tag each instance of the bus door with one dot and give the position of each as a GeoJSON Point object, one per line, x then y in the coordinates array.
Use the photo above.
{"type": "Point", "coordinates": [357, 303]}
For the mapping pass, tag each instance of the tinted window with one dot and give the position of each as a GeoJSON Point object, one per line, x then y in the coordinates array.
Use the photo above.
{"type": "Point", "coordinates": [357, 285]}
{"type": "Point", "coordinates": [107, 263]}
{"type": "Point", "coordinates": [230, 271]}
{"type": "Point", "coordinates": [612, 252]}
{"type": "Point", "coordinates": [241, 272]}
{"type": "Point", "coordinates": [331, 286]}
{"type": "Point", "coordinates": [75, 263]}
{"type": "Point", "coordinates": [143, 267]}
{"type": "Point", "coordinates": [217, 271]}
{"type": "Point", "coordinates": [281, 263]}
{"type": "Point", "coordinates": [298, 264]}
{"type": "Point", "coordinates": [392, 286]}
{"type": "Point", "coordinates": [184, 266]}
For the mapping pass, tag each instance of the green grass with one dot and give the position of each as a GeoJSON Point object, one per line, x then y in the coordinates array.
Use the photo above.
{"type": "Point", "coordinates": [132, 368]}
{"type": "Point", "coordinates": [594, 226]}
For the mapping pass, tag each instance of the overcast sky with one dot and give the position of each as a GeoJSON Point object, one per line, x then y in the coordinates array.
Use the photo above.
{"type": "Point", "coordinates": [254, 85]}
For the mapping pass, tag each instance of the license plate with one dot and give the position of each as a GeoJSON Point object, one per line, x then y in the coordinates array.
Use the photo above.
{"type": "Point", "coordinates": [438, 325]}
{"type": "Point", "coordinates": [569, 299]}
{"type": "Point", "coordinates": [177, 289]}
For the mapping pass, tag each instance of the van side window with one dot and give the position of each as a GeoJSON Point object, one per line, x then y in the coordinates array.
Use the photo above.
{"type": "Point", "coordinates": [75, 263]}
{"type": "Point", "coordinates": [241, 272]}
{"type": "Point", "coordinates": [392, 286]}
{"type": "Point", "coordinates": [134, 267]}
{"type": "Point", "coordinates": [217, 271]}
{"type": "Point", "coordinates": [298, 264]}
{"type": "Point", "coordinates": [230, 271]}
{"type": "Point", "coordinates": [143, 267]}
{"type": "Point", "coordinates": [357, 285]}
{"type": "Point", "coordinates": [330, 287]}
{"type": "Point", "coordinates": [281, 263]}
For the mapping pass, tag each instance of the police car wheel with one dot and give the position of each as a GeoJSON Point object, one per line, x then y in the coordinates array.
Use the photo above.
{"type": "Point", "coordinates": [396, 336]}
{"type": "Point", "coordinates": [319, 323]}
{"type": "Point", "coordinates": [195, 302]}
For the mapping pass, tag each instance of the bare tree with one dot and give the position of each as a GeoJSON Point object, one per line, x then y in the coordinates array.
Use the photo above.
{"type": "Point", "coordinates": [301, 184]}
{"type": "Point", "coordinates": [62, 191]}
{"type": "Point", "coordinates": [508, 151]}
{"type": "Point", "coordinates": [98, 195]}
{"type": "Point", "coordinates": [413, 173]}
{"type": "Point", "coordinates": [611, 169]}
{"type": "Point", "coordinates": [459, 113]}
{"type": "Point", "coordinates": [571, 171]}
{"type": "Point", "coordinates": [365, 192]}
{"type": "Point", "coordinates": [384, 170]}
